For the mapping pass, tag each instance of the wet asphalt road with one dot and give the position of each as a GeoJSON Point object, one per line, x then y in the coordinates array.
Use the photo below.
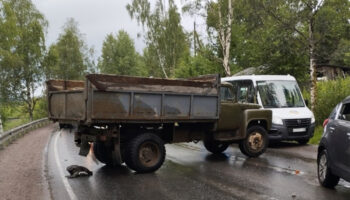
{"type": "Point", "coordinates": [190, 172]}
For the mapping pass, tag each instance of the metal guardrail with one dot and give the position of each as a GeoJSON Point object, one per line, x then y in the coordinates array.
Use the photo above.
{"type": "Point", "coordinates": [10, 135]}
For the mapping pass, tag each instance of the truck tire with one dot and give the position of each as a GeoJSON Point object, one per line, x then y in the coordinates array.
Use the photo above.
{"type": "Point", "coordinates": [103, 153]}
{"type": "Point", "coordinates": [324, 173]}
{"type": "Point", "coordinates": [255, 143]}
{"type": "Point", "coordinates": [62, 126]}
{"type": "Point", "coordinates": [145, 153]}
{"type": "Point", "coordinates": [215, 147]}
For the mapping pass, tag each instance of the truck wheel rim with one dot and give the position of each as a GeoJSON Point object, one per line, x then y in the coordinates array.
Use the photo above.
{"type": "Point", "coordinates": [322, 167]}
{"type": "Point", "coordinates": [256, 141]}
{"type": "Point", "coordinates": [149, 154]}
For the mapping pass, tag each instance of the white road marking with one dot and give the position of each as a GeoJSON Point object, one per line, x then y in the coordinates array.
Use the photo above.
{"type": "Point", "coordinates": [66, 184]}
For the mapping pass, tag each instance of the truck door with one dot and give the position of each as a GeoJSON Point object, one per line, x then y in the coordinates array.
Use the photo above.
{"type": "Point", "coordinates": [230, 112]}
{"type": "Point", "coordinates": [245, 91]}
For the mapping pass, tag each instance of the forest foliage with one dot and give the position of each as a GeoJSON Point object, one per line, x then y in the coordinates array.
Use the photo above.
{"type": "Point", "coordinates": [286, 37]}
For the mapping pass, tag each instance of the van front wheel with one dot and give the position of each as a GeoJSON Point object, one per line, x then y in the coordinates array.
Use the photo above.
{"type": "Point", "coordinates": [255, 142]}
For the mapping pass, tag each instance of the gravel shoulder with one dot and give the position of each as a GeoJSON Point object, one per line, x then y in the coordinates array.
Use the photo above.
{"type": "Point", "coordinates": [21, 166]}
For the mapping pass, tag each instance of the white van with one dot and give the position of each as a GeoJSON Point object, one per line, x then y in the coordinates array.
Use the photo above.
{"type": "Point", "coordinates": [291, 118]}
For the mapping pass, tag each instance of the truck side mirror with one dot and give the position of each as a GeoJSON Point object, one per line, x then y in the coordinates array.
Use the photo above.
{"type": "Point", "coordinates": [230, 99]}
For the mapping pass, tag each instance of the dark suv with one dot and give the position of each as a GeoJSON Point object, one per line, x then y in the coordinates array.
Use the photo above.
{"type": "Point", "coordinates": [333, 160]}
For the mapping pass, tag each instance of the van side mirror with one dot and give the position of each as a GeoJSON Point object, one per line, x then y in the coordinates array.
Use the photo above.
{"type": "Point", "coordinates": [307, 102]}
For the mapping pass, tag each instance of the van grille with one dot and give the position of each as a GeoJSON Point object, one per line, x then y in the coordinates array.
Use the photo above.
{"type": "Point", "coordinates": [296, 123]}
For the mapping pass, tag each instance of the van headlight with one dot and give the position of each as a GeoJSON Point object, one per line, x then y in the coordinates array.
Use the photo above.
{"type": "Point", "coordinates": [277, 120]}
{"type": "Point", "coordinates": [313, 119]}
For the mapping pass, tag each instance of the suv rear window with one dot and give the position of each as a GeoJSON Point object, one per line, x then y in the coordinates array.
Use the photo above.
{"type": "Point", "coordinates": [345, 113]}
{"type": "Point", "coordinates": [334, 112]}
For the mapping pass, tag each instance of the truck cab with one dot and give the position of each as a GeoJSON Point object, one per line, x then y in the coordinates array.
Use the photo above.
{"type": "Point", "coordinates": [291, 118]}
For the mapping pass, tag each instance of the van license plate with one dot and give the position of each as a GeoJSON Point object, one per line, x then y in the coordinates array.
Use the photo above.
{"type": "Point", "coordinates": [298, 130]}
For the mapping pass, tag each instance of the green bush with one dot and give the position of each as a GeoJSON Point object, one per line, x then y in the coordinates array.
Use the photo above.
{"type": "Point", "coordinates": [329, 94]}
{"type": "Point", "coordinates": [317, 135]}
{"type": "Point", "coordinates": [40, 110]}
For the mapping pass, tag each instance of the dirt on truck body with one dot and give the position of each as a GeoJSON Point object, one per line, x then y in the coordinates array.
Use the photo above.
{"type": "Point", "coordinates": [129, 119]}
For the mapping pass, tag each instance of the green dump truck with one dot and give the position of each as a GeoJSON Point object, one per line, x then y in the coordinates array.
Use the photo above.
{"type": "Point", "coordinates": [129, 119]}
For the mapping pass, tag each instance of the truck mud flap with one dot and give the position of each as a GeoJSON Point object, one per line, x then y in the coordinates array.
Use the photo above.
{"type": "Point", "coordinates": [85, 145]}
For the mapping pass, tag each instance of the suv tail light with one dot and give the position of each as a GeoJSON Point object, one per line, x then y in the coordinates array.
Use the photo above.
{"type": "Point", "coordinates": [325, 122]}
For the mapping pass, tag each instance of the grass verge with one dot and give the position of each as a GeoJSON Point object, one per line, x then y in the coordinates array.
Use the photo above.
{"type": "Point", "coordinates": [10, 124]}
{"type": "Point", "coordinates": [317, 135]}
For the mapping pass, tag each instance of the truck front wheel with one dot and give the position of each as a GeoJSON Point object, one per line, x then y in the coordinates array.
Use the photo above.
{"type": "Point", "coordinates": [145, 153]}
{"type": "Point", "coordinates": [215, 147]}
{"type": "Point", "coordinates": [255, 143]}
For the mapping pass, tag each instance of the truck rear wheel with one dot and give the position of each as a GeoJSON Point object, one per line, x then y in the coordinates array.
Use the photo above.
{"type": "Point", "coordinates": [255, 143]}
{"type": "Point", "coordinates": [215, 147]}
{"type": "Point", "coordinates": [145, 153]}
{"type": "Point", "coordinates": [103, 153]}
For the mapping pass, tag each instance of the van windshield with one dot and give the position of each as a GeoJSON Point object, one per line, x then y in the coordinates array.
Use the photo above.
{"type": "Point", "coordinates": [280, 94]}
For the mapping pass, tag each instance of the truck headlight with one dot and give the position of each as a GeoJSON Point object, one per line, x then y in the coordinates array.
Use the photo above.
{"type": "Point", "coordinates": [277, 120]}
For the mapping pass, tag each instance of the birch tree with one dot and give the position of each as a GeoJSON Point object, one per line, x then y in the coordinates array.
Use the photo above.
{"type": "Point", "coordinates": [21, 58]}
{"type": "Point", "coordinates": [300, 17]}
{"type": "Point", "coordinates": [165, 38]}
{"type": "Point", "coordinates": [220, 19]}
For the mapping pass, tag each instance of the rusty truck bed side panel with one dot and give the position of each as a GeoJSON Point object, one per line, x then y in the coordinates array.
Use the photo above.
{"type": "Point", "coordinates": [110, 98]}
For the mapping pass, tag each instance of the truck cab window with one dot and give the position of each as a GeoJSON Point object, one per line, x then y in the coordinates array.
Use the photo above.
{"type": "Point", "coordinates": [245, 91]}
{"type": "Point", "coordinates": [226, 94]}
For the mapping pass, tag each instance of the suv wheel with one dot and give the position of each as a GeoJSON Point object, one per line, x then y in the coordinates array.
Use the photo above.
{"type": "Point", "coordinates": [324, 173]}
{"type": "Point", "coordinates": [255, 143]}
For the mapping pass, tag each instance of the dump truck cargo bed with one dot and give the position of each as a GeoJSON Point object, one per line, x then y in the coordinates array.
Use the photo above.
{"type": "Point", "coordinates": [103, 99]}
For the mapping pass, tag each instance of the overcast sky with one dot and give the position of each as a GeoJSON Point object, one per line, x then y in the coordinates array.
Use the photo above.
{"type": "Point", "coordinates": [96, 19]}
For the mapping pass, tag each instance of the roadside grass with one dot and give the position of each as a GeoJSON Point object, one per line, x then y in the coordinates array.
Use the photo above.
{"type": "Point", "coordinates": [16, 114]}
{"type": "Point", "coordinates": [317, 136]}
{"type": "Point", "coordinates": [10, 124]}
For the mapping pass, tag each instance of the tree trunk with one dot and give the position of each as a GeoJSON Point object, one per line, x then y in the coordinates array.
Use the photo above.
{"type": "Point", "coordinates": [161, 64]}
{"type": "Point", "coordinates": [313, 74]}
{"type": "Point", "coordinates": [225, 37]}
{"type": "Point", "coordinates": [1, 127]}
{"type": "Point", "coordinates": [29, 102]}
